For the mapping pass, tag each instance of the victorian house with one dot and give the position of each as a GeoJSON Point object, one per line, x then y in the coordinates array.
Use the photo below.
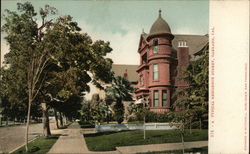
{"type": "Point", "coordinates": [163, 57]}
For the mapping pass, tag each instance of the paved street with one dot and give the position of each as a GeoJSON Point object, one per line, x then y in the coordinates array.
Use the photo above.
{"type": "Point", "coordinates": [13, 137]}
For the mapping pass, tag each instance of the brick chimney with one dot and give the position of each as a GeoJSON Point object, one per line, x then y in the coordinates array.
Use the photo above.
{"type": "Point", "coordinates": [183, 61]}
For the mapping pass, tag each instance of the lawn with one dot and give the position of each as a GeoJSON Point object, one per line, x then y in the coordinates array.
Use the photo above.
{"type": "Point", "coordinates": [108, 141]}
{"type": "Point", "coordinates": [39, 145]}
{"type": "Point", "coordinates": [202, 150]}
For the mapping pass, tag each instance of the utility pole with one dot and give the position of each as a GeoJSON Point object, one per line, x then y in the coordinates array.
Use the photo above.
{"type": "Point", "coordinates": [144, 118]}
{"type": "Point", "coordinates": [144, 131]}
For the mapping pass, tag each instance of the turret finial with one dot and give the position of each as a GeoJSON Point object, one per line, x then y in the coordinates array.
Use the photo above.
{"type": "Point", "coordinates": [159, 12]}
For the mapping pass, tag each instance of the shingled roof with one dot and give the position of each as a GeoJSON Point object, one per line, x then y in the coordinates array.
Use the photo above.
{"type": "Point", "coordinates": [159, 26]}
{"type": "Point", "coordinates": [120, 69]}
{"type": "Point", "coordinates": [194, 42]}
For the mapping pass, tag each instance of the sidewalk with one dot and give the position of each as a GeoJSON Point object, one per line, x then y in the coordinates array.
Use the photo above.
{"type": "Point", "coordinates": [160, 147]}
{"type": "Point", "coordinates": [72, 141]}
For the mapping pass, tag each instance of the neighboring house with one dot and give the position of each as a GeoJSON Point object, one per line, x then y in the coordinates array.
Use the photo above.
{"type": "Point", "coordinates": [163, 57]}
{"type": "Point", "coordinates": [127, 71]}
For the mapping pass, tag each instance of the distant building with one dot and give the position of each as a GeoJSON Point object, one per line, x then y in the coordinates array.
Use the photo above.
{"type": "Point", "coordinates": [127, 71]}
{"type": "Point", "coordinates": [163, 57]}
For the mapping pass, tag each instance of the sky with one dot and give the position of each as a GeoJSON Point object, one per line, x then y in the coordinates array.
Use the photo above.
{"type": "Point", "coordinates": [121, 22]}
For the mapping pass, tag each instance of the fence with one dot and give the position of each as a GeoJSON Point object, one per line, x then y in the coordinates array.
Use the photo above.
{"type": "Point", "coordinates": [120, 127]}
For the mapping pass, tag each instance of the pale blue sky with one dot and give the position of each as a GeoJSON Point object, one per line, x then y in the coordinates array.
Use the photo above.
{"type": "Point", "coordinates": [121, 22]}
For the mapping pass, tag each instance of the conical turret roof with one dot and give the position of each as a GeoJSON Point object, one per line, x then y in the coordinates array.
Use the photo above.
{"type": "Point", "coordinates": [160, 26]}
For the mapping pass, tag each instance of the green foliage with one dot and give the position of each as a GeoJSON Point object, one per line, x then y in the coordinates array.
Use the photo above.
{"type": "Point", "coordinates": [108, 141]}
{"type": "Point", "coordinates": [137, 113]}
{"type": "Point", "coordinates": [96, 110]}
{"type": "Point", "coordinates": [150, 116]}
{"type": "Point", "coordinates": [119, 112]}
{"type": "Point", "coordinates": [192, 102]}
{"type": "Point", "coordinates": [13, 95]}
{"type": "Point", "coordinates": [50, 59]}
{"type": "Point", "coordinates": [120, 90]}
{"type": "Point", "coordinates": [86, 112]}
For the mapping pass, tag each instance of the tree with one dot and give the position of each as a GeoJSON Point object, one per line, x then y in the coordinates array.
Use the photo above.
{"type": "Point", "coordinates": [27, 51]}
{"type": "Point", "coordinates": [36, 46]}
{"type": "Point", "coordinates": [13, 94]}
{"type": "Point", "coordinates": [120, 90]}
{"type": "Point", "coordinates": [192, 101]}
{"type": "Point", "coordinates": [86, 112]}
{"type": "Point", "coordinates": [97, 110]}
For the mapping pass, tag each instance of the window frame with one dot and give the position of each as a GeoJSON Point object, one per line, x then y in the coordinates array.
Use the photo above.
{"type": "Point", "coordinates": [155, 72]}
{"type": "Point", "coordinates": [164, 100]}
{"type": "Point", "coordinates": [154, 98]}
{"type": "Point", "coordinates": [155, 46]}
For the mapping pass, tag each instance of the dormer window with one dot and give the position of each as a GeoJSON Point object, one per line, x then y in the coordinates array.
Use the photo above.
{"type": "Point", "coordinates": [155, 49]}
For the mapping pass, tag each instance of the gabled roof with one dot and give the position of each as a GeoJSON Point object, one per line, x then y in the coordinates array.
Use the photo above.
{"type": "Point", "coordinates": [120, 69]}
{"type": "Point", "coordinates": [194, 42]}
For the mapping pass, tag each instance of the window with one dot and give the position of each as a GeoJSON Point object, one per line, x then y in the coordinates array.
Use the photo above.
{"type": "Point", "coordinates": [144, 58]}
{"type": "Point", "coordinates": [155, 71]}
{"type": "Point", "coordinates": [164, 98]}
{"type": "Point", "coordinates": [155, 50]}
{"type": "Point", "coordinates": [141, 80]}
{"type": "Point", "coordinates": [156, 98]}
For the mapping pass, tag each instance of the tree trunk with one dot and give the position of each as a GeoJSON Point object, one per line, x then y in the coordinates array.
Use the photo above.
{"type": "Point", "coordinates": [190, 128]}
{"type": "Point", "coordinates": [107, 118]}
{"type": "Point", "coordinates": [200, 123]}
{"type": "Point", "coordinates": [56, 118]}
{"type": "Point", "coordinates": [66, 120]}
{"type": "Point", "coordinates": [46, 127]}
{"type": "Point", "coordinates": [28, 120]}
{"type": "Point", "coordinates": [7, 121]}
{"type": "Point", "coordinates": [182, 140]}
{"type": "Point", "coordinates": [60, 118]}
{"type": "Point", "coordinates": [182, 129]}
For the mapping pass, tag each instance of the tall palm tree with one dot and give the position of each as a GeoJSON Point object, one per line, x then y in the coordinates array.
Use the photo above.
{"type": "Point", "coordinates": [120, 90]}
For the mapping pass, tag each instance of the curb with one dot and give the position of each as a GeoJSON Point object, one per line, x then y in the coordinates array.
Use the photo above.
{"type": "Point", "coordinates": [24, 144]}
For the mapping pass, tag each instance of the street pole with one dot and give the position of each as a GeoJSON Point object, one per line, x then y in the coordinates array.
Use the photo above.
{"type": "Point", "coordinates": [144, 132]}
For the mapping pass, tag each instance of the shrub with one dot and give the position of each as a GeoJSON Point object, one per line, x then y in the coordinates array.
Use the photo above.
{"type": "Point", "coordinates": [119, 112]}
{"type": "Point", "coordinates": [150, 116]}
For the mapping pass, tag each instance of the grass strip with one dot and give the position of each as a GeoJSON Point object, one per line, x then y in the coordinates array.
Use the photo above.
{"type": "Point", "coordinates": [39, 145]}
{"type": "Point", "coordinates": [108, 141]}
